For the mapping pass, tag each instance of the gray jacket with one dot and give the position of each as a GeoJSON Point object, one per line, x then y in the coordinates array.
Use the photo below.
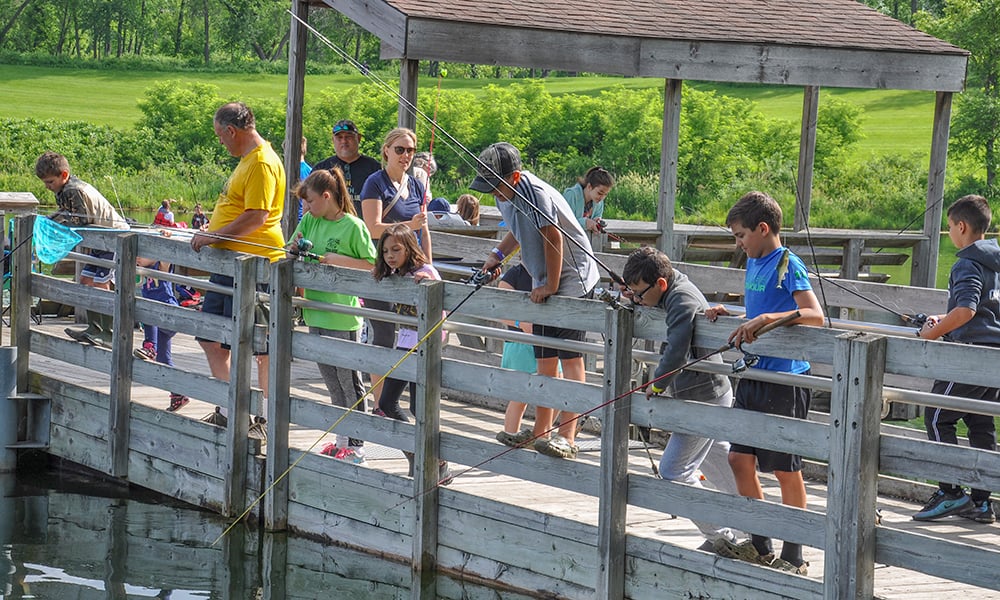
{"type": "Point", "coordinates": [974, 283]}
{"type": "Point", "coordinates": [683, 303]}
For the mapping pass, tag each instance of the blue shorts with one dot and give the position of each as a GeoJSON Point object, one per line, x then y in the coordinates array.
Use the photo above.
{"type": "Point", "coordinates": [773, 399]}
{"type": "Point", "coordinates": [99, 274]}
{"type": "Point", "coordinates": [217, 303]}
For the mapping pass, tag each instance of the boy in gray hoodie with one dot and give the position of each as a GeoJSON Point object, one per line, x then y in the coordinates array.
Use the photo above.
{"type": "Point", "coordinates": [973, 318]}
{"type": "Point", "coordinates": [654, 282]}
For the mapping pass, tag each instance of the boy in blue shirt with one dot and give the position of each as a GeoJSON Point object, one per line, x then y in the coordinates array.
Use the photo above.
{"type": "Point", "coordinates": [973, 318]}
{"type": "Point", "coordinates": [776, 285]}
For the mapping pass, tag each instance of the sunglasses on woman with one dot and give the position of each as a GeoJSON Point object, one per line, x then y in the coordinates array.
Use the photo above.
{"type": "Point", "coordinates": [400, 150]}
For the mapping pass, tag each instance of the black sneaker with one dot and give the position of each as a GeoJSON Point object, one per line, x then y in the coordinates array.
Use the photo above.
{"type": "Point", "coordinates": [980, 512]}
{"type": "Point", "coordinates": [943, 504]}
{"type": "Point", "coordinates": [216, 418]}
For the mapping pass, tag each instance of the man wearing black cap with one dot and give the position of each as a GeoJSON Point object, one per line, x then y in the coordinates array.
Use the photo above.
{"type": "Point", "coordinates": [356, 166]}
{"type": "Point", "coordinates": [540, 221]}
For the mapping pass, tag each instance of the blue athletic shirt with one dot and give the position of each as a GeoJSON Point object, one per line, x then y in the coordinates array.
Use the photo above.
{"type": "Point", "coordinates": [763, 295]}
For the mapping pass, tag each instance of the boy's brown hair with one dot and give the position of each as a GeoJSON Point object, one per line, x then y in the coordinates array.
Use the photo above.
{"type": "Point", "coordinates": [51, 164]}
{"type": "Point", "coordinates": [753, 209]}
{"type": "Point", "coordinates": [974, 211]}
{"type": "Point", "coordinates": [648, 264]}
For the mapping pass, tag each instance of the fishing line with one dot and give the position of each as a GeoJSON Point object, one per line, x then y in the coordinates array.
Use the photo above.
{"type": "Point", "coordinates": [433, 330]}
{"type": "Point", "coordinates": [812, 250]}
{"type": "Point", "coordinates": [728, 346]}
{"type": "Point", "coordinates": [452, 142]}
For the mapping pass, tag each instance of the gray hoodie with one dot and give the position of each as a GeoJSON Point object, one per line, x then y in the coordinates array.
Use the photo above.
{"type": "Point", "coordinates": [683, 303]}
{"type": "Point", "coordinates": [974, 283]}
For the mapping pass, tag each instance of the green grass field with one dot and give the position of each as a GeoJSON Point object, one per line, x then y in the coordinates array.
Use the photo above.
{"type": "Point", "coordinates": [895, 122]}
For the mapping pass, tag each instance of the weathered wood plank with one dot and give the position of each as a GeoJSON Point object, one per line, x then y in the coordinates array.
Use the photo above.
{"type": "Point", "coordinates": [951, 560]}
{"type": "Point", "coordinates": [121, 356]}
{"type": "Point", "coordinates": [940, 462]}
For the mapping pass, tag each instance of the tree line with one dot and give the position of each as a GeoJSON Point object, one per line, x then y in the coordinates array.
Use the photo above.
{"type": "Point", "coordinates": [571, 136]}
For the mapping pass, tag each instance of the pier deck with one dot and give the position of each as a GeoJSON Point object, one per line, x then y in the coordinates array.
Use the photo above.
{"type": "Point", "coordinates": [477, 421]}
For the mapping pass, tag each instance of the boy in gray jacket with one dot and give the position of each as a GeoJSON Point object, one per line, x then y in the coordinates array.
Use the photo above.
{"type": "Point", "coordinates": [973, 318]}
{"type": "Point", "coordinates": [654, 282]}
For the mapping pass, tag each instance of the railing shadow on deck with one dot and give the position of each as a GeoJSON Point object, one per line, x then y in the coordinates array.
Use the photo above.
{"type": "Point", "coordinates": [513, 546]}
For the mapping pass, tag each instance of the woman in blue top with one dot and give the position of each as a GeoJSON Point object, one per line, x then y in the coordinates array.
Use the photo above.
{"type": "Point", "coordinates": [390, 196]}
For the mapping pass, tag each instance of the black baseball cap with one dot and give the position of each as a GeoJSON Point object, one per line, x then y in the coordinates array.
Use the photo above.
{"type": "Point", "coordinates": [496, 163]}
{"type": "Point", "coordinates": [345, 125]}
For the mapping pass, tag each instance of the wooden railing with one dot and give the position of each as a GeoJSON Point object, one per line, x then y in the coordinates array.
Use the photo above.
{"type": "Point", "coordinates": [429, 526]}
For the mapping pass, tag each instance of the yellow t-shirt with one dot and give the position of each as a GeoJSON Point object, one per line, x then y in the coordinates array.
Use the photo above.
{"type": "Point", "coordinates": [257, 183]}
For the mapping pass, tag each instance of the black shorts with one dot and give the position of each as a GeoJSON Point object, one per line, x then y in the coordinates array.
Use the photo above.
{"type": "Point", "coordinates": [217, 303]}
{"type": "Point", "coordinates": [575, 335]}
{"type": "Point", "coordinates": [772, 399]}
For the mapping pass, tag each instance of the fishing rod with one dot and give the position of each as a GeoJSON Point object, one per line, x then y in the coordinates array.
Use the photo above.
{"type": "Point", "coordinates": [479, 280]}
{"type": "Point", "coordinates": [456, 145]}
{"type": "Point", "coordinates": [739, 366]}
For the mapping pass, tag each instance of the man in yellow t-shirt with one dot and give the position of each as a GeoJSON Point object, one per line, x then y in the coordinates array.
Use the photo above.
{"type": "Point", "coordinates": [248, 210]}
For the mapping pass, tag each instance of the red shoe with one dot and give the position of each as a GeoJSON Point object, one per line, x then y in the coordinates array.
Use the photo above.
{"type": "Point", "coordinates": [177, 402]}
{"type": "Point", "coordinates": [329, 449]}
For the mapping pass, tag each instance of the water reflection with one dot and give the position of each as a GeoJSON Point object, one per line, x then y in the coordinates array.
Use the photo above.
{"type": "Point", "coordinates": [64, 537]}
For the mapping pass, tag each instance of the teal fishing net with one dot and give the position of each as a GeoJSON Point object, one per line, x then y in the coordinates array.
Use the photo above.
{"type": "Point", "coordinates": [53, 241]}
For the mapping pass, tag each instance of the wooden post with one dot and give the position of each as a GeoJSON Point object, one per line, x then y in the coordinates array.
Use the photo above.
{"type": "Point", "coordinates": [20, 297]}
{"type": "Point", "coordinates": [297, 37]}
{"type": "Point", "coordinates": [279, 382]}
{"type": "Point", "coordinates": [615, 420]}
{"type": "Point", "coordinates": [807, 156]}
{"type": "Point", "coordinates": [850, 266]}
{"type": "Point", "coordinates": [241, 357]}
{"type": "Point", "coordinates": [669, 156]}
{"type": "Point", "coordinates": [430, 305]}
{"type": "Point", "coordinates": [852, 483]}
{"type": "Point", "coordinates": [923, 267]}
{"type": "Point", "coordinates": [123, 326]}
{"type": "Point", "coordinates": [409, 74]}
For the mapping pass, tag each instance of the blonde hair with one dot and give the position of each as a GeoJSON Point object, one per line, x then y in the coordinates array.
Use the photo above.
{"type": "Point", "coordinates": [394, 135]}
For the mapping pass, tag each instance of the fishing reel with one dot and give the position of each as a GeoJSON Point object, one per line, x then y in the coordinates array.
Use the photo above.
{"type": "Point", "coordinates": [302, 246]}
{"type": "Point", "coordinates": [601, 225]}
{"type": "Point", "coordinates": [611, 297]}
{"type": "Point", "coordinates": [483, 277]}
{"type": "Point", "coordinates": [745, 362]}
{"type": "Point", "coordinates": [918, 320]}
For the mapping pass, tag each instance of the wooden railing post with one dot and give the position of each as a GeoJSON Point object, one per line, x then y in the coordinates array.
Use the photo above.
{"type": "Point", "coordinates": [123, 327]}
{"type": "Point", "coordinates": [241, 358]}
{"type": "Point", "coordinates": [855, 407]}
{"type": "Point", "coordinates": [430, 303]}
{"type": "Point", "coordinates": [278, 405]}
{"type": "Point", "coordinates": [20, 297]}
{"type": "Point", "coordinates": [614, 455]}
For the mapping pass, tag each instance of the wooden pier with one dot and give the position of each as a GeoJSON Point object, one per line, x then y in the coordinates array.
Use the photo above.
{"type": "Point", "coordinates": [598, 527]}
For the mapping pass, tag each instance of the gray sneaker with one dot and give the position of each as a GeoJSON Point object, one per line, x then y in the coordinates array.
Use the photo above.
{"type": "Point", "coordinates": [557, 447]}
{"type": "Point", "coordinates": [783, 565]}
{"type": "Point", "coordinates": [515, 440]}
{"type": "Point", "coordinates": [744, 551]}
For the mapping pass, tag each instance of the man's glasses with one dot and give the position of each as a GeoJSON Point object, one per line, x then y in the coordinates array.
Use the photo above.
{"type": "Point", "coordinates": [400, 150]}
{"type": "Point", "coordinates": [637, 296]}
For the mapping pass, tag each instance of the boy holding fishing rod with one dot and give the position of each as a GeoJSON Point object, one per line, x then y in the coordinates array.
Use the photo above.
{"type": "Point", "coordinates": [776, 285]}
{"type": "Point", "coordinates": [81, 205]}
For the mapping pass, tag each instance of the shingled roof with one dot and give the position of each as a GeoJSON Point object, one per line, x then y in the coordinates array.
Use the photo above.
{"type": "Point", "coordinates": [801, 42]}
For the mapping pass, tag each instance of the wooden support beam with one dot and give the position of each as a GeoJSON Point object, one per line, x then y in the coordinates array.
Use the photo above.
{"type": "Point", "coordinates": [669, 155]}
{"type": "Point", "coordinates": [923, 268]}
{"type": "Point", "coordinates": [430, 307]}
{"type": "Point", "coordinates": [20, 297]}
{"type": "Point", "coordinates": [279, 384]}
{"type": "Point", "coordinates": [123, 326]}
{"type": "Point", "coordinates": [614, 454]}
{"type": "Point", "coordinates": [807, 156]}
{"type": "Point", "coordinates": [859, 367]}
{"type": "Point", "coordinates": [241, 357]}
{"type": "Point", "coordinates": [293, 113]}
{"type": "Point", "coordinates": [409, 75]}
